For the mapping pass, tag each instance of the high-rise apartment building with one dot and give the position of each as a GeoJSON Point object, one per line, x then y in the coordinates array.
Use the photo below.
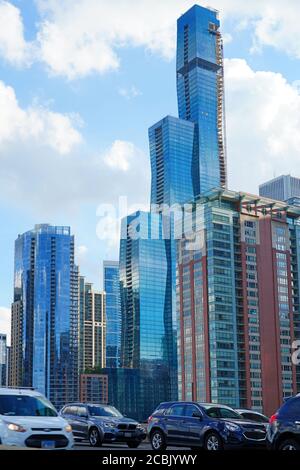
{"type": "Point", "coordinates": [111, 287]}
{"type": "Point", "coordinates": [188, 154]}
{"type": "Point", "coordinates": [3, 360]}
{"type": "Point", "coordinates": [284, 188]}
{"type": "Point", "coordinates": [92, 327]}
{"type": "Point", "coordinates": [148, 328]}
{"type": "Point", "coordinates": [45, 312]}
{"type": "Point", "coordinates": [16, 354]}
{"type": "Point", "coordinates": [238, 301]}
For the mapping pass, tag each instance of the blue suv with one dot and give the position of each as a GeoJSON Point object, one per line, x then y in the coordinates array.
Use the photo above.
{"type": "Point", "coordinates": [210, 426]}
{"type": "Point", "coordinates": [284, 430]}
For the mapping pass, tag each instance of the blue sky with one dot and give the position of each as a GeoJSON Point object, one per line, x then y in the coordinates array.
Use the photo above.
{"type": "Point", "coordinates": [82, 80]}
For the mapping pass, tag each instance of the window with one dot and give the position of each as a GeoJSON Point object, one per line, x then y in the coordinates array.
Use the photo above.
{"type": "Point", "coordinates": [176, 410]}
{"type": "Point", "coordinates": [192, 411]}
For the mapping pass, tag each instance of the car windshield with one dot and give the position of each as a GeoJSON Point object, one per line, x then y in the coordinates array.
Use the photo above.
{"type": "Point", "coordinates": [219, 412]}
{"type": "Point", "coordinates": [110, 411]}
{"type": "Point", "coordinates": [25, 405]}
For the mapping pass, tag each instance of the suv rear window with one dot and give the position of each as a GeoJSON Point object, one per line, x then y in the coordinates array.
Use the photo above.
{"type": "Point", "coordinates": [25, 405]}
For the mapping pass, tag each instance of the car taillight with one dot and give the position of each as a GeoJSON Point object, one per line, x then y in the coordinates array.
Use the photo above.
{"type": "Point", "coordinates": [273, 418]}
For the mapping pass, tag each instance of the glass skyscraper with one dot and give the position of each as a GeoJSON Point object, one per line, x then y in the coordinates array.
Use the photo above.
{"type": "Point", "coordinates": [111, 286]}
{"type": "Point", "coordinates": [148, 336]}
{"type": "Point", "coordinates": [46, 283]}
{"type": "Point", "coordinates": [188, 155]}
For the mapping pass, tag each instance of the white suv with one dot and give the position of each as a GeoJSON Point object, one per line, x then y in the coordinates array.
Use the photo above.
{"type": "Point", "coordinates": [28, 419]}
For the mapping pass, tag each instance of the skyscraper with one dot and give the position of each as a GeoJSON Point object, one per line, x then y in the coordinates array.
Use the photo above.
{"type": "Point", "coordinates": [188, 155]}
{"type": "Point", "coordinates": [284, 188]}
{"type": "Point", "coordinates": [3, 360]}
{"type": "Point", "coordinates": [111, 286]}
{"type": "Point", "coordinates": [16, 354]}
{"type": "Point", "coordinates": [148, 336]}
{"type": "Point", "coordinates": [92, 327]}
{"type": "Point", "coordinates": [46, 285]}
{"type": "Point", "coordinates": [238, 301]}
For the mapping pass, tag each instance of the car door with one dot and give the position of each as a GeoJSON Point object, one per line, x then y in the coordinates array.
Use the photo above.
{"type": "Point", "coordinates": [175, 424]}
{"type": "Point", "coordinates": [194, 423]}
{"type": "Point", "coordinates": [83, 421]}
{"type": "Point", "coordinates": [70, 414]}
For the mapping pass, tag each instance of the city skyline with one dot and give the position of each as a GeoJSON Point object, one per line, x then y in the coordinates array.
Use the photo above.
{"type": "Point", "coordinates": [48, 94]}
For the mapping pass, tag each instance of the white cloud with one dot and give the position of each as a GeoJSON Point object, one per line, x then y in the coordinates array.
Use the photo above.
{"type": "Point", "coordinates": [36, 124]}
{"type": "Point", "coordinates": [13, 46]}
{"type": "Point", "coordinates": [120, 155]}
{"type": "Point", "coordinates": [5, 322]}
{"type": "Point", "coordinates": [263, 122]}
{"type": "Point", "coordinates": [130, 93]}
{"type": "Point", "coordinates": [78, 37]}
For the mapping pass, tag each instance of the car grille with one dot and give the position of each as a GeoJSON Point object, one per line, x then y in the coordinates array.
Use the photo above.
{"type": "Point", "coordinates": [255, 435]}
{"type": "Point", "coordinates": [36, 440]}
{"type": "Point", "coordinates": [46, 429]}
{"type": "Point", "coordinates": [129, 427]}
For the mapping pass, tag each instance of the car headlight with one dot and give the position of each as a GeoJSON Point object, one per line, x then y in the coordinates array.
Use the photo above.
{"type": "Point", "coordinates": [232, 427]}
{"type": "Point", "coordinates": [15, 427]}
{"type": "Point", "coordinates": [68, 428]}
{"type": "Point", "coordinates": [109, 424]}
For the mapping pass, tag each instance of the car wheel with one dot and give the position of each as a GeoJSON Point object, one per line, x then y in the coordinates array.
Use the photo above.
{"type": "Point", "coordinates": [133, 445]}
{"type": "Point", "coordinates": [289, 444]}
{"type": "Point", "coordinates": [213, 442]}
{"type": "Point", "coordinates": [94, 438]}
{"type": "Point", "coordinates": [158, 441]}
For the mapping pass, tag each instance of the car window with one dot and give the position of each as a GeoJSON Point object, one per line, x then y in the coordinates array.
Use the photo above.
{"type": "Point", "coordinates": [229, 414]}
{"type": "Point", "coordinates": [66, 410]}
{"type": "Point", "coordinates": [25, 405]}
{"type": "Point", "coordinates": [292, 408]}
{"type": "Point", "coordinates": [212, 412]}
{"type": "Point", "coordinates": [73, 410]}
{"type": "Point", "coordinates": [192, 411]}
{"type": "Point", "coordinates": [82, 411]}
{"type": "Point", "coordinates": [176, 410]}
{"type": "Point", "coordinates": [103, 410]}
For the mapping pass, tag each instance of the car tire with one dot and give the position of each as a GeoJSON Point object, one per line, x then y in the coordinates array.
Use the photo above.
{"type": "Point", "coordinates": [289, 444]}
{"type": "Point", "coordinates": [158, 440]}
{"type": "Point", "coordinates": [213, 442]}
{"type": "Point", "coordinates": [133, 445]}
{"type": "Point", "coordinates": [94, 438]}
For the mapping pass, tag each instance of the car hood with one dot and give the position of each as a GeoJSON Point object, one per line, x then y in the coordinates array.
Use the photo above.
{"type": "Point", "coordinates": [245, 423]}
{"type": "Point", "coordinates": [113, 420]}
{"type": "Point", "coordinates": [36, 421]}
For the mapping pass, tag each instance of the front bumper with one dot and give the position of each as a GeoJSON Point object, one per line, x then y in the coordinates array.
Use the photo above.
{"type": "Point", "coordinates": [115, 435]}
{"type": "Point", "coordinates": [233, 441]}
{"type": "Point", "coordinates": [30, 439]}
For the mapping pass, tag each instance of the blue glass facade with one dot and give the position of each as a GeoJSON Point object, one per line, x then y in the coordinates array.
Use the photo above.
{"type": "Point", "coordinates": [188, 155]}
{"type": "Point", "coordinates": [111, 286]}
{"type": "Point", "coordinates": [200, 91]}
{"type": "Point", "coordinates": [148, 335]}
{"type": "Point", "coordinates": [46, 282]}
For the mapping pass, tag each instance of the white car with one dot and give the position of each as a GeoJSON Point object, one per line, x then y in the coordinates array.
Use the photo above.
{"type": "Point", "coordinates": [28, 419]}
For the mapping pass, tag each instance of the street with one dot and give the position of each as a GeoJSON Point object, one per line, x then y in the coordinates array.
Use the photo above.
{"type": "Point", "coordinates": [144, 446]}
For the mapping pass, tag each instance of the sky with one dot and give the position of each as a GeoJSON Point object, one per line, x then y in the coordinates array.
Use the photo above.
{"type": "Point", "coordinates": [81, 81]}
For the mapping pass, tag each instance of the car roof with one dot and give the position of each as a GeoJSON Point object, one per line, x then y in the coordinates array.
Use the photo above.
{"type": "Point", "coordinates": [215, 405]}
{"type": "Point", "coordinates": [20, 391]}
{"type": "Point", "coordinates": [246, 410]}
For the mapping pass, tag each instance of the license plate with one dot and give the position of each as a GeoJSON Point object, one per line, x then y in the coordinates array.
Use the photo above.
{"type": "Point", "coordinates": [48, 444]}
{"type": "Point", "coordinates": [127, 434]}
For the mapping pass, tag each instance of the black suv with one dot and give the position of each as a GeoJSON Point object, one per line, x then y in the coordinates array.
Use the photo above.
{"type": "Point", "coordinates": [284, 429]}
{"type": "Point", "coordinates": [102, 424]}
{"type": "Point", "coordinates": [213, 427]}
